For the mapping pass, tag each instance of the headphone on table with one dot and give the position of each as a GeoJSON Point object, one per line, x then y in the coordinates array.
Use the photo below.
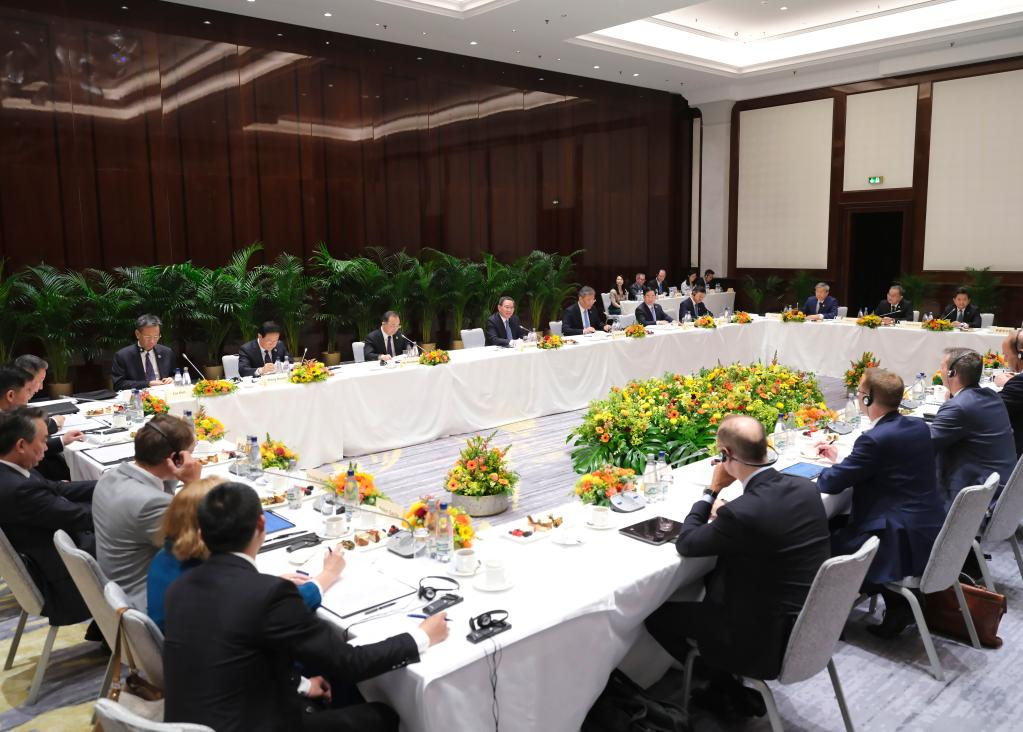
{"type": "Point", "coordinates": [725, 457]}
{"type": "Point", "coordinates": [488, 619]}
{"type": "Point", "coordinates": [176, 455]}
{"type": "Point", "coordinates": [428, 592]}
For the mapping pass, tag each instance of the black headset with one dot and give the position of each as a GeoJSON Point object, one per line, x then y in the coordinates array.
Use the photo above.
{"type": "Point", "coordinates": [868, 398]}
{"type": "Point", "coordinates": [1019, 348]}
{"type": "Point", "coordinates": [952, 366]}
{"type": "Point", "coordinates": [176, 455]}
{"type": "Point", "coordinates": [725, 457]}
{"type": "Point", "coordinates": [428, 592]}
{"type": "Point", "coordinates": [488, 619]}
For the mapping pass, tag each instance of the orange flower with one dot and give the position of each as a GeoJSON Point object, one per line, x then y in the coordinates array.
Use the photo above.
{"type": "Point", "coordinates": [600, 430]}
{"type": "Point", "coordinates": [471, 465]}
{"type": "Point", "coordinates": [605, 437]}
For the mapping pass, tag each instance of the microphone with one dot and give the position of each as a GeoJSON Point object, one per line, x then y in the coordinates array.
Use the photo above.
{"type": "Point", "coordinates": [304, 353]}
{"type": "Point", "coordinates": [199, 370]}
{"type": "Point", "coordinates": [951, 310]}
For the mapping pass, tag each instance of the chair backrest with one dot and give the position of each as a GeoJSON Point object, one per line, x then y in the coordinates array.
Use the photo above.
{"type": "Point", "coordinates": [916, 315]}
{"type": "Point", "coordinates": [825, 612]}
{"type": "Point", "coordinates": [606, 298]}
{"type": "Point", "coordinates": [230, 364]}
{"type": "Point", "coordinates": [956, 536]}
{"type": "Point", "coordinates": [987, 320]}
{"type": "Point", "coordinates": [626, 320]}
{"type": "Point", "coordinates": [1008, 511]}
{"type": "Point", "coordinates": [15, 573]}
{"type": "Point", "coordinates": [144, 637]}
{"type": "Point", "coordinates": [473, 338]}
{"type": "Point", "coordinates": [843, 310]}
{"type": "Point", "coordinates": [555, 327]}
{"type": "Point", "coordinates": [359, 351]}
{"type": "Point", "coordinates": [90, 581]}
{"type": "Point", "coordinates": [114, 717]}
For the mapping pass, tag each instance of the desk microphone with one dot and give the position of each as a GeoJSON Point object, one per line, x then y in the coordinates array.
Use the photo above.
{"type": "Point", "coordinates": [199, 370]}
{"type": "Point", "coordinates": [946, 315]}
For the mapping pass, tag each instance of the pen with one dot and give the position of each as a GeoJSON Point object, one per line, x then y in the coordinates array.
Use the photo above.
{"type": "Point", "coordinates": [381, 607]}
{"type": "Point", "coordinates": [299, 571]}
{"type": "Point", "coordinates": [420, 616]}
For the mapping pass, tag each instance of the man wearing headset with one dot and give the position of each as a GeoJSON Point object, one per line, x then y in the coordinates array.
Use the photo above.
{"type": "Point", "coordinates": [1012, 385]}
{"type": "Point", "coordinates": [895, 495]}
{"type": "Point", "coordinates": [971, 431]}
{"type": "Point", "coordinates": [769, 544]}
{"type": "Point", "coordinates": [130, 500]}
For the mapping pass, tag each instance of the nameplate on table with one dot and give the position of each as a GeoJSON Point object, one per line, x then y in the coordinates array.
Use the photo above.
{"type": "Point", "coordinates": [1002, 329]}
{"type": "Point", "coordinates": [274, 379]}
{"type": "Point", "coordinates": [910, 324]}
{"type": "Point", "coordinates": [772, 316]}
{"type": "Point", "coordinates": [178, 394]}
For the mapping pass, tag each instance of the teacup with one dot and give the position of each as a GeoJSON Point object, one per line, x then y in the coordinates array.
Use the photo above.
{"type": "Point", "coordinates": [335, 526]}
{"type": "Point", "coordinates": [466, 561]}
{"type": "Point", "coordinates": [494, 573]}
{"type": "Point", "coordinates": [600, 516]}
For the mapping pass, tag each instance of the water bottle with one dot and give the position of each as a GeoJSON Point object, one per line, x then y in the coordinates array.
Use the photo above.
{"type": "Point", "coordinates": [255, 458]}
{"type": "Point", "coordinates": [186, 377]}
{"type": "Point", "coordinates": [919, 388]}
{"type": "Point", "coordinates": [689, 317]}
{"type": "Point", "coordinates": [431, 525]}
{"type": "Point", "coordinates": [177, 377]}
{"type": "Point", "coordinates": [852, 410]}
{"type": "Point", "coordinates": [728, 314]}
{"type": "Point", "coordinates": [445, 534]}
{"type": "Point", "coordinates": [664, 468]}
{"type": "Point", "coordinates": [136, 414]}
{"type": "Point", "coordinates": [781, 434]}
{"type": "Point", "coordinates": [190, 419]}
{"type": "Point", "coordinates": [351, 496]}
{"type": "Point", "coordinates": [650, 477]}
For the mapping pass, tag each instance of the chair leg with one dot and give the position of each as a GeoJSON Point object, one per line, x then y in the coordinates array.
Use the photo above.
{"type": "Point", "coordinates": [16, 640]}
{"type": "Point", "coordinates": [872, 608]}
{"type": "Point", "coordinates": [108, 679]}
{"type": "Point", "coordinates": [840, 696]}
{"type": "Point", "coordinates": [687, 677]}
{"type": "Point", "coordinates": [985, 570]}
{"type": "Point", "coordinates": [967, 618]}
{"type": "Point", "coordinates": [44, 660]}
{"type": "Point", "coordinates": [925, 634]}
{"type": "Point", "coordinates": [1014, 543]}
{"type": "Point", "coordinates": [772, 708]}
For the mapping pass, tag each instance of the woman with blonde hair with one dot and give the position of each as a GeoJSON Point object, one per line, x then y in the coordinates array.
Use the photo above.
{"type": "Point", "coordinates": [183, 549]}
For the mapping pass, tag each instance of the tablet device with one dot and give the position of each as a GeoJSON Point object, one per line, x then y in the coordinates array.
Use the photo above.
{"type": "Point", "coordinates": [656, 531]}
{"type": "Point", "coordinates": [804, 470]}
{"type": "Point", "coordinates": [275, 522]}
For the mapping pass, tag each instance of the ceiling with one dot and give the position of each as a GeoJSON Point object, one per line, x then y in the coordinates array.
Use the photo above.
{"type": "Point", "coordinates": [707, 51]}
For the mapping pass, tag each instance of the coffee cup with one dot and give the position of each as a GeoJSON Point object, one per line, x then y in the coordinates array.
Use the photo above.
{"type": "Point", "coordinates": [494, 573]}
{"type": "Point", "coordinates": [466, 561]}
{"type": "Point", "coordinates": [335, 526]}
{"type": "Point", "coordinates": [118, 419]}
{"type": "Point", "coordinates": [600, 516]}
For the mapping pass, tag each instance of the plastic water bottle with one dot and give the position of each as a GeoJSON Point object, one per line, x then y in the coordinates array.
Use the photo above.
{"type": "Point", "coordinates": [919, 388]}
{"type": "Point", "coordinates": [136, 414]}
{"type": "Point", "coordinates": [444, 535]}
{"type": "Point", "coordinates": [190, 419]}
{"type": "Point", "coordinates": [186, 377]}
{"type": "Point", "coordinates": [177, 377]}
{"type": "Point", "coordinates": [351, 496]}
{"type": "Point", "coordinates": [852, 410]}
{"type": "Point", "coordinates": [650, 478]}
{"type": "Point", "coordinates": [781, 433]}
{"type": "Point", "coordinates": [728, 315]}
{"type": "Point", "coordinates": [255, 458]}
{"type": "Point", "coordinates": [663, 471]}
{"type": "Point", "coordinates": [431, 524]}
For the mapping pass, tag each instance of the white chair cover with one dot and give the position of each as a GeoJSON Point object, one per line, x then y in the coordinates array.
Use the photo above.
{"type": "Point", "coordinates": [473, 338]}
{"type": "Point", "coordinates": [230, 364]}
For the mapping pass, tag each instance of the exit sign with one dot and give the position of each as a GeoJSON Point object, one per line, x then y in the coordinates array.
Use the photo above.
{"type": "Point", "coordinates": [875, 180]}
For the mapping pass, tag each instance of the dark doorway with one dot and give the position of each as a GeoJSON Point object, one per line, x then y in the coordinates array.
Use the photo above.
{"type": "Point", "coordinates": [875, 256]}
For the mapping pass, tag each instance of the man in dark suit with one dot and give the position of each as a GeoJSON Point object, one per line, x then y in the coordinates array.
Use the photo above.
{"type": "Point", "coordinates": [971, 431]}
{"type": "Point", "coordinates": [693, 305]}
{"type": "Point", "coordinates": [260, 355]}
{"type": "Point", "coordinates": [649, 312]}
{"type": "Point", "coordinates": [145, 364]}
{"type": "Point", "coordinates": [233, 669]}
{"type": "Point", "coordinates": [504, 326]}
{"type": "Point", "coordinates": [822, 306]}
{"type": "Point", "coordinates": [895, 307]}
{"type": "Point", "coordinates": [583, 317]}
{"type": "Point", "coordinates": [16, 389]}
{"type": "Point", "coordinates": [637, 287]}
{"type": "Point", "coordinates": [769, 544]}
{"type": "Point", "coordinates": [386, 342]}
{"type": "Point", "coordinates": [32, 508]}
{"type": "Point", "coordinates": [708, 280]}
{"type": "Point", "coordinates": [962, 311]}
{"type": "Point", "coordinates": [891, 470]}
{"type": "Point", "coordinates": [660, 283]}
{"type": "Point", "coordinates": [1012, 386]}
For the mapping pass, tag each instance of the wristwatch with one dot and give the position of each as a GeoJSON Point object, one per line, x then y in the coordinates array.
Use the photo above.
{"type": "Point", "coordinates": [710, 492]}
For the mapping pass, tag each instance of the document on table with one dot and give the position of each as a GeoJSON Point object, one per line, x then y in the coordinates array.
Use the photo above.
{"type": "Point", "coordinates": [81, 422]}
{"type": "Point", "coordinates": [361, 589]}
{"type": "Point", "coordinates": [111, 454]}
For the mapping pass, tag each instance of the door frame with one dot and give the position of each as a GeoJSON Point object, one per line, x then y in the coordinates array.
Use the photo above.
{"type": "Point", "coordinates": [845, 244]}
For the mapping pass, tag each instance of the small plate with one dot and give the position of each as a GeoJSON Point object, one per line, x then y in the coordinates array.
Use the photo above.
{"type": "Point", "coordinates": [567, 540]}
{"type": "Point", "coordinates": [535, 536]}
{"type": "Point", "coordinates": [455, 573]}
{"type": "Point", "coordinates": [483, 587]}
{"type": "Point", "coordinates": [600, 528]}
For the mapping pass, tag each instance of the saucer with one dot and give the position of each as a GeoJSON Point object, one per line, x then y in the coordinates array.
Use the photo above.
{"type": "Point", "coordinates": [562, 540]}
{"type": "Point", "coordinates": [455, 573]}
{"type": "Point", "coordinates": [484, 587]}
{"type": "Point", "coordinates": [600, 528]}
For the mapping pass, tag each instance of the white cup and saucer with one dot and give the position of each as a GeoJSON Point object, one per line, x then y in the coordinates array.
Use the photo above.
{"type": "Point", "coordinates": [599, 518]}
{"type": "Point", "coordinates": [493, 577]}
{"type": "Point", "coordinates": [466, 563]}
{"type": "Point", "coordinates": [335, 526]}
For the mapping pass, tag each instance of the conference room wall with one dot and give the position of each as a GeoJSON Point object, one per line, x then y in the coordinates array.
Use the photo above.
{"type": "Point", "coordinates": [912, 199]}
{"type": "Point", "coordinates": [146, 136]}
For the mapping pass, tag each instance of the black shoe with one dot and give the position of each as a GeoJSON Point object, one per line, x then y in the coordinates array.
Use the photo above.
{"type": "Point", "coordinates": [93, 633]}
{"type": "Point", "coordinates": [895, 621]}
{"type": "Point", "coordinates": [745, 701]}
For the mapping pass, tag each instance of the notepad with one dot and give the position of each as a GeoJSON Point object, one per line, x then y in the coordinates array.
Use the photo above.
{"type": "Point", "coordinates": [111, 454]}
{"type": "Point", "coordinates": [361, 589]}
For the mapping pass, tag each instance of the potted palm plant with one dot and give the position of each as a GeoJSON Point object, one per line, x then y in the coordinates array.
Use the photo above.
{"type": "Point", "coordinates": [109, 309]}
{"type": "Point", "coordinates": [249, 281]}
{"type": "Point", "coordinates": [498, 279]}
{"type": "Point", "coordinates": [431, 293]}
{"type": "Point", "coordinates": [463, 280]}
{"type": "Point", "coordinates": [536, 272]}
{"type": "Point", "coordinates": [560, 286]}
{"type": "Point", "coordinates": [51, 297]}
{"type": "Point", "coordinates": [334, 284]}
{"type": "Point", "coordinates": [218, 299]}
{"type": "Point", "coordinates": [287, 293]}
{"type": "Point", "coordinates": [11, 296]}
{"type": "Point", "coordinates": [760, 290]}
{"type": "Point", "coordinates": [167, 291]}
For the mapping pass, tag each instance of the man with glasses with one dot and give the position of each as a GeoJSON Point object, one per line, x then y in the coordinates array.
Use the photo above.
{"type": "Point", "coordinates": [145, 364]}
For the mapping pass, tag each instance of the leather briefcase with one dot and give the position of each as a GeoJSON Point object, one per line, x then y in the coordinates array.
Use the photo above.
{"type": "Point", "coordinates": [986, 608]}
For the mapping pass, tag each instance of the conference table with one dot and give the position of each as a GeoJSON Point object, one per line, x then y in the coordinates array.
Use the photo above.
{"type": "Point", "coordinates": [365, 407]}
{"type": "Point", "coordinates": [716, 302]}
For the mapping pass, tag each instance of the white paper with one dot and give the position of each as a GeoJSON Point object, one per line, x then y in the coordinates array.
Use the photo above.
{"type": "Point", "coordinates": [112, 453]}
{"type": "Point", "coordinates": [360, 588]}
{"type": "Point", "coordinates": [81, 422]}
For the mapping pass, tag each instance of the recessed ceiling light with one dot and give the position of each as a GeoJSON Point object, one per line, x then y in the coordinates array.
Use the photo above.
{"type": "Point", "coordinates": [124, 7]}
{"type": "Point", "coordinates": [784, 7]}
{"type": "Point", "coordinates": [280, 35]}
{"type": "Point", "coordinates": [206, 22]}
{"type": "Point", "coordinates": [596, 67]}
{"type": "Point", "coordinates": [635, 74]}
{"type": "Point", "coordinates": [378, 25]}
{"type": "Point", "coordinates": [518, 52]}
{"type": "Point", "coordinates": [515, 30]}
{"type": "Point", "coordinates": [424, 33]}
{"type": "Point", "coordinates": [326, 43]}
{"type": "Point", "coordinates": [327, 15]}
{"type": "Point", "coordinates": [557, 59]}
{"type": "Point", "coordinates": [419, 58]}
{"type": "Point", "coordinates": [473, 43]}
{"type": "Point", "coordinates": [541, 78]}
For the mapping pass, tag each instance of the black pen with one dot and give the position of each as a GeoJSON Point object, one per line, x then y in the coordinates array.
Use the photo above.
{"type": "Point", "coordinates": [381, 607]}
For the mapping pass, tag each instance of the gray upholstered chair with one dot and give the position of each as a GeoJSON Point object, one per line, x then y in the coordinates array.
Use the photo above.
{"type": "Point", "coordinates": [816, 631]}
{"type": "Point", "coordinates": [90, 581]}
{"type": "Point", "coordinates": [145, 639]}
{"type": "Point", "coordinates": [1005, 518]}
{"type": "Point", "coordinates": [947, 556]}
{"type": "Point", "coordinates": [843, 310]}
{"type": "Point", "coordinates": [555, 326]}
{"type": "Point", "coordinates": [987, 320]}
{"type": "Point", "coordinates": [30, 598]}
{"type": "Point", "coordinates": [473, 338]}
{"type": "Point", "coordinates": [605, 297]}
{"type": "Point", "coordinates": [359, 351]}
{"type": "Point", "coordinates": [626, 320]}
{"type": "Point", "coordinates": [230, 364]}
{"type": "Point", "coordinates": [114, 717]}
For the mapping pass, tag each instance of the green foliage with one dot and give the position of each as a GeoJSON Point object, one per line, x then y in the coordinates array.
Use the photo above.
{"type": "Point", "coordinates": [55, 306]}
{"type": "Point", "coordinates": [12, 294]}
{"type": "Point", "coordinates": [108, 311]}
{"type": "Point", "coordinates": [760, 290]}
{"type": "Point", "coordinates": [464, 280]}
{"type": "Point", "coordinates": [287, 292]}
{"type": "Point", "coordinates": [984, 286]}
{"type": "Point", "coordinates": [218, 301]}
{"type": "Point", "coordinates": [167, 291]}
{"type": "Point", "coordinates": [801, 286]}
{"type": "Point", "coordinates": [249, 283]}
{"type": "Point", "coordinates": [917, 288]}
{"type": "Point", "coordinates": [430, 290]}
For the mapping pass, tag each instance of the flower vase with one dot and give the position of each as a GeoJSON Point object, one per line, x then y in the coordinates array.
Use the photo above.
{"type": "Point", "coordinates": [481, 505]}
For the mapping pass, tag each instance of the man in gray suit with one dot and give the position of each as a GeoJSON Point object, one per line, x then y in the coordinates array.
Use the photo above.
{"type": "Point", "coordinates": [129, 502]}
{"type": "Point", "coordinates": [971, 432]}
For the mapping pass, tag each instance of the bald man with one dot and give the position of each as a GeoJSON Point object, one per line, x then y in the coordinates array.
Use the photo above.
{"type": "Point", "coordinates": [1012, 386]}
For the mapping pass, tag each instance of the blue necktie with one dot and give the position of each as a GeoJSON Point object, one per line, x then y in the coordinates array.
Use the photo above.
{"type": "Point", "coordinates": [586, 319]}
{"type": "Point", "coordinates": [507, 330]}
{"type": "Point", "coordinates": [147, 356]}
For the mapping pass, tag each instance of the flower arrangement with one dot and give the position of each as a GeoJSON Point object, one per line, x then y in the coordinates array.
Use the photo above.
{"type": "Point", "coordinates": [994, 360]}
{"type": "Point", "coordinates": [742, 317]}
{"type": "Point", "coordinates": [435, 357]}
{"type": "Point", "coordinates": [481, 470]}
{"type": "Point", "coordinates": [869, 321]}
{"type": "Point", "coordinates": [213, 387]}
{"type": "Point", "coordinates": [705, 321]}
{"type": "Point", "coordinates": [152, 404]}
{"type": "Point", "coordinates": [814, 416]}
{"type": "Point", "coordinates": [550, 342]}
{"type": "Point", "coordinates": [854, 373]}
{"type": "Point", "coordinates": [938, 325]}
{"type": "Point", "coordinates": [368, 491]}
{"type": "Point", "coordinates": [417, 517]}
{"type": "Point", "coordinates": [596, 488]}
{"type": "Point", "coordinates": [793, 316]}
{"type": "Point", "coordinates": [207, 428]}
{"type": "Point", "coordinates": [636, 330]}
{"type": "Point", "coordinates": [679, 414]}
{"type": "Point", "coordinates": [308, 372]}
{"type": "Point", "coordinates": [936, 379]}
{"type": "Point", "coordinates": [276, 454]}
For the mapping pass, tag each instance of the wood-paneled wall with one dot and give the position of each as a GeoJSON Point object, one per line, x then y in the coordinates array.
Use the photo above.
{"type": "Point", "coordinates": [141, 136]}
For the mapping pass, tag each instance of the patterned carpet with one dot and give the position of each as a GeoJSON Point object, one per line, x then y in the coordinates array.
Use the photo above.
{"type": "Point", "coordinates": [887, 685]}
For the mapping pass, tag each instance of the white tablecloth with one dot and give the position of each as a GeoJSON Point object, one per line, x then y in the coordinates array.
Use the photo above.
{"type": "Point", "coordinates": [716, 302]}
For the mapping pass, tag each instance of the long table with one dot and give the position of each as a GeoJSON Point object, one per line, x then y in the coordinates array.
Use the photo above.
{"type": "Point", "coordinates": [367, 408]}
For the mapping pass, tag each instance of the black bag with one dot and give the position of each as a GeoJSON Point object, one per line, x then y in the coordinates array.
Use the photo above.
{"type": "Point", "coordinates": [623, 706]}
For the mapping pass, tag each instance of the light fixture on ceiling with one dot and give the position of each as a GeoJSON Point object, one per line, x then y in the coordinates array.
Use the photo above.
{"type": "Point", "coordinates": [515, 30]}
{"type": "Point", "coordinates": [419, 58]}
{"type": "Point", "coordinates": [541, 78]}
{"type": "Point", "coordinates": [280, 35]}
{"type": "Point", "coordinates": [424, 33]}
{"type": "Point", "coordinates": [328, 15]}
{"type": "Point", "coordinates": [474, 43]}
{"type": "Point", "coordinates": [596, 67]}
{"type": "Point", "coordinates": [326, 43]}
{"type": "Point", "coordinates": [784, 7]}
{"type": "Point", "coordinates": [207, 22]}
{"type": "Point", "coordinates": [635, 74]}
{"type": "Point", "coordinates": [518, 52]}
{"type": "Point", "coordinates": [124, 7]}
{"type": "Point", "coordinates": [557, 59]}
